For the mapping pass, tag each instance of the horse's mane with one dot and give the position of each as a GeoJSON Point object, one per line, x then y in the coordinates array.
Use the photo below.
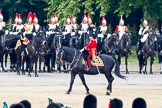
{"type": "Point", "coordinates": [68, 50]}
{"type": "Point", "coordinates": [69, 53]}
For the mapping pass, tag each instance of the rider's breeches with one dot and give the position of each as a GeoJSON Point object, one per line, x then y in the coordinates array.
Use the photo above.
{"type": "Point", "coordinates": [89, 61]}
{"type": "Point", "coordinates": [121, 35]}
{"type": "Point", "coordinates": [143, 39]}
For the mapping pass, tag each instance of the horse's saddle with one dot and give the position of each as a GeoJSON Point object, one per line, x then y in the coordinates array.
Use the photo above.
{"type": "Point", "coordinates": [96, 61]}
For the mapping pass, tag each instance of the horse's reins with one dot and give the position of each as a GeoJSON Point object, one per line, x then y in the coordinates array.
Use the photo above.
{"type": "Point", "coordinates": [72, 60]}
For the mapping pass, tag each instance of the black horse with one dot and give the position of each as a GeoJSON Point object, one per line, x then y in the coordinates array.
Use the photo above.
{"type": "Point", "coordinates": [7, 45]}
{"type": "Point", "coordinates": [148, 50]}
{"type": "Point", "coordinates": [123, 48]}
{"type": "Point", "coordinates": [110, 45]}
{"type": "Point", "coordinates": [159, 48]}
{"type": "Point", "coordinates": [36, 46]}
{"type": "Point", "coordinates": [75, 58]}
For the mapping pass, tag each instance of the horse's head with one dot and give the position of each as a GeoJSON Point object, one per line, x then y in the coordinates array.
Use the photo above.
{"type": "Point", "coordinates": [115, 36]}
{"type": "Point", "coordinates": [127, 37]}
{"type": "Point", "coordinates": [151, 39]}
{"type": "Point", "coordinates": [44, 48]}
{"type": "Point", "coordinates": [66, 54]}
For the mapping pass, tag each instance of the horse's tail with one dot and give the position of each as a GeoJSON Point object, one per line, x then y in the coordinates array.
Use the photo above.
{"type": "Point", "coordinates": [117, 70]}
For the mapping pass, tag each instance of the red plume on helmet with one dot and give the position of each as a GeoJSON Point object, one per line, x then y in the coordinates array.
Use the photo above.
{"type": "Point", "coordinates": [19, 18]}
{"type": "Point", "coordinates": [89, 18]}
{"type": "Point", "coordinates": [85, 16]}
{"type": "Point", "coordinates": [73, 18]}
{"type": "Point", "coordinates": [68, 19]}
{"type": "Point", "coordinates": [34, 18]}
{"type": "Point", "coordinates": [103, 20]}
{"type": "Point", "coordinates": [16, 17]}
{"type": "Point", "coordinates": [53, 14]}
{"type": "Point", "coordinates": [30, 16]}
{"type": "Point", "coordinates": [1, 16]}
{"type": "Point", "coordinates": [52, 17]}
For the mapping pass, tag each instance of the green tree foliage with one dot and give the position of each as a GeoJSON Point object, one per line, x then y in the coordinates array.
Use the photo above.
{"type": "Point", "coordinates": [11, 7]}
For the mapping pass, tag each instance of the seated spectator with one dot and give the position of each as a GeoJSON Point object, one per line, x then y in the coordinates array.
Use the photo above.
{"type": "Point", "coordinates": [90, 101]}
{"type": "Point", "coordinates": [19, 105]}
{"type": "Point", "coordinates": [139, 103]}
{"type": "Point", "coordinates": [26, 103]}
{"type": "Point", "coordinates": [115, 103]}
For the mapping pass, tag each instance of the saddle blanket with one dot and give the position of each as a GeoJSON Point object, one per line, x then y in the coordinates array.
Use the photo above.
{"type": "Point", "coordinates": [25, 41]}
{"type": "Point", "coordinates": [97, 61]}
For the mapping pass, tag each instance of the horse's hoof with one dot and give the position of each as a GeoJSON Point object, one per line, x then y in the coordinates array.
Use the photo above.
{"type": "Point", "coordinates": [160, 72]}
{"type": "Point", "coordinates": [36, 75]}
{"type": "Point", "coordinates": [29, 75]}
{"type": "Point", "coordinates": [4, 70]}
{"type": "Point", "coordinates": [107, 93]}
{"type": "Point", "coordinates": [127, 72]}
{"type": "Point", "coordinates": [67, 93]}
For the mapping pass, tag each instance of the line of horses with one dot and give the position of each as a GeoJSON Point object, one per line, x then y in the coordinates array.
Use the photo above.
{"type": "Point", "coordinates": [59, 49]}
{"type": "Point", "coordinates": [50, 45]}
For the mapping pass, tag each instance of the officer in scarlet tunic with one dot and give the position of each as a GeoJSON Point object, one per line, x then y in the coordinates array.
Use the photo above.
{"type": "Point", "coordinates": [91, 48]}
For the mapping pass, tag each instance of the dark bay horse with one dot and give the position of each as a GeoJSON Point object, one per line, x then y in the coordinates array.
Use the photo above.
{"type": "Point", "coordinates": [159, 48]}
{"type": "Point", "coordinates": [110, 45]}
{"type": "Point", "coordinates": [123, 49]}
{"type": "Point", "coordinates": [75, 58]}
{"type": "Point", "coordinates": [148, 50]}
{"type": "Point", "coordinates": [36, 46]}
{"type": "Point", "coordinates": [7, 44]}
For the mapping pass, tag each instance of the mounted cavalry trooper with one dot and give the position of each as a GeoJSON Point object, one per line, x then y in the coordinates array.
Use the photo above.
{"type": "Point", "coordinates": [101, 33]}
{"type": "Point", "coordinates": [13, 30]}
{"type": "Point", "coordinates": [73, 23]}
{"type": "Point", "coordinates": [144, 33]}
{"type": "Point", "coordinates": [53, 25]}
{"type": "Point", "coordinates": [83, 28]}
{"type": "Point", "coordinates": [121, 29]}
{"type": "Point", "coordinates": [2, 25]}
{"type": "Point", "coordinates": [74, 40]}
{"type": "Point", "coordinates": [90, 23]}
{"type": "Point", "coordinates": [28, 28]}
{"type": "Point", "coordinates": [36, 26]}
{"type": "Point", "coordinates": [28, 32]}
{"type": "Point", "coordinates": [18, 27]}
{"type": "Point", "coordinates": [83, 31]}
{"type": "Point", "coordinates": [67, 30]}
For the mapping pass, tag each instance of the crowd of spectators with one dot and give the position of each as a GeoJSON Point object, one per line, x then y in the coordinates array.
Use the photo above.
{"type": "Point", "coordinates": [90, 101]}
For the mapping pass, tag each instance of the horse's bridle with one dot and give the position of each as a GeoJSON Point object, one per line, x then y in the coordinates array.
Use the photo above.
{"type": "Point", "coordinates": [74, 58]}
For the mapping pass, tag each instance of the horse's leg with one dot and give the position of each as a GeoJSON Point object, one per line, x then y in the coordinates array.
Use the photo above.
{"type": "Point", "coordinates": [36, 59]}
{"type": "Point", "coordinates": [151, 62]}
{"type": "Point", "coordinates": [40, 60]}
{"type": "Point", "coordinates": [126, 64]}
{"type": "Point", "coordinates": [71, 82]}
{"type": "Point", "coordinates": [110, 79]}
{"type": "Point", "coordinates": [18, 64]}
{"type": "Point", "coordinates": [6, 56]}
{"type": "Point", "coordinates": [30, 67]}
{"type": "Point", "coordinates": [145, 71]}
{"type": "Point", "coordinates": [160, 67]}
{"type": "Point", "coordinates": [84, 82]}
{"type": "Point", "coordinates": [3, 69]}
